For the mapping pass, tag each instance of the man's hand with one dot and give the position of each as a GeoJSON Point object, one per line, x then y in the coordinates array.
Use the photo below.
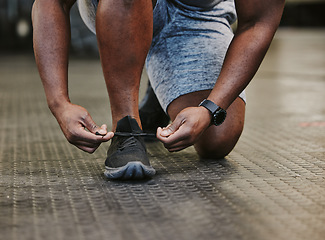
{"type": "Point", "coordinates": [186, 129]}
{"type": "Point", "coordinates": [80, 129]}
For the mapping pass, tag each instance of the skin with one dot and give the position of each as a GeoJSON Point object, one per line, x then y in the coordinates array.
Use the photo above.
{"type": "Point", "coordinates": [51, 45]}
{"type": "Point", "coordinates": [257, 23]}
{"type": "Point", "coordinates": [123, 46]}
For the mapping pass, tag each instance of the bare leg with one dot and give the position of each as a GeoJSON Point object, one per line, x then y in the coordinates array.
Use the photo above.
{"type": "Point", "coordinates": [217, 141]}
{"type": "Point", "coordinates": [124, 33]}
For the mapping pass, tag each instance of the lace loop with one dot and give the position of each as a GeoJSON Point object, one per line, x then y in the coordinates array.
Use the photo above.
{"type": "Point", "coordinates": [129, 142]}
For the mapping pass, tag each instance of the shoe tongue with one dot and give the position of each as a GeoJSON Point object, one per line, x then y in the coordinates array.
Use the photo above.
{"type": "Point", "coordinates": [128, 124]}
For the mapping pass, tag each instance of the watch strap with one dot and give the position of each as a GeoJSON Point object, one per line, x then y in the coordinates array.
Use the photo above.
{"type": "Point", "coordinates": [211, 106]}
{"type": "Point", "coordinates": [218, 115]}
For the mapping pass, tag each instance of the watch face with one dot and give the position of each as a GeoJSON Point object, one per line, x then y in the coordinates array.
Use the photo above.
{"type": "Point", "coordinates": [219, 117]}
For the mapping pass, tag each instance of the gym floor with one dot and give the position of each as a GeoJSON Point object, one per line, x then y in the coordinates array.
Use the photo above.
{"type": "Point", "coordinates": [270, 187]}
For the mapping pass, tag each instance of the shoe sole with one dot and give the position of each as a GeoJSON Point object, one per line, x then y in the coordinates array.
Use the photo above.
{"type": "Point", "coordinates": [132, 170]}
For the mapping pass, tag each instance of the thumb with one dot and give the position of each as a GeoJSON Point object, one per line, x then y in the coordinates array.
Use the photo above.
{"type": "Point", "coordinates": [102, 130]}
{"type": "Point", "coordinates": [173, 127]}
{"type": "Point", "coordinates": [92, 126]}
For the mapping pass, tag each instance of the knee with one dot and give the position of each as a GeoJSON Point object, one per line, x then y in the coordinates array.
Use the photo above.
{"type": "Point", "coordinates": [217, 148]}
{"type": "Point", "coordinates": [212, 152]}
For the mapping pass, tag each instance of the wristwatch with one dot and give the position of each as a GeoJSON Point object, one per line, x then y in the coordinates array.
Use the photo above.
{"type": "Point", "coordinates": [218, 114]}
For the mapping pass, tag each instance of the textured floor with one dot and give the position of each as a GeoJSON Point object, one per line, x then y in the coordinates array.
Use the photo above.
{"type": "Point", "coordinates": [270, 187]}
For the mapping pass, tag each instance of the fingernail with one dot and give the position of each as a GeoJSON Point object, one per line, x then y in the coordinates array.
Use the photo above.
{"type": "Point", "coordinates": [102, 131]}
{"type": "Point", "coordinates": [165, 132]}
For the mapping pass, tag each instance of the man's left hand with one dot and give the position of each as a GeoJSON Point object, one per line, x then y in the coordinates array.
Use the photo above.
{"type": "Point", "coordinates": [186, 129]}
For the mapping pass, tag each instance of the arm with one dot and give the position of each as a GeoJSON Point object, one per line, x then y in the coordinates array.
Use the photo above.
{"type": "Point", "coordinates": [257, 24]}
{"type": "Point", "coordinates": [51, 46]}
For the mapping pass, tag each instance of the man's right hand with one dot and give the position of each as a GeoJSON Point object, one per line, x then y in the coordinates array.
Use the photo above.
{"type": "Point", "coordinates": [80, 129]}
{"type": "Point", "coordinates": [51, 36]}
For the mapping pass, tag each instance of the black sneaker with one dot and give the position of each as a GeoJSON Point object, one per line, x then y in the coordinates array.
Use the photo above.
{"type": "Point", "coordinates": [127, 155]}
{"type": "Point", "coordinates": [151, 113]}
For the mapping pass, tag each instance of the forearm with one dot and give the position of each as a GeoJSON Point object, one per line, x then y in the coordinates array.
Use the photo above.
{"type": "Point", "coordinates": [51, 46]}
{"type": "Point", "coordinates": [243, 59]}
{"type": "Point", "coordinates": [244, 56]}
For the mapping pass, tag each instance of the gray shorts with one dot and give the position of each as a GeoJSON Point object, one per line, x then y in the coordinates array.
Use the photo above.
{"type": "Point", "coordinates": [188, 48]}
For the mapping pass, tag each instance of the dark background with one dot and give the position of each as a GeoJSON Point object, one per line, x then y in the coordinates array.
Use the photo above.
{"type": "Point", "coordinates": [16, 27]}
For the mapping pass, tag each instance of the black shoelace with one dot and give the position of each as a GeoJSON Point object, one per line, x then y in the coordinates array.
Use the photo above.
{"type": "Point", "coordinates": [128, 134]}
{"type": "Point", "coordinates": [127, 144]}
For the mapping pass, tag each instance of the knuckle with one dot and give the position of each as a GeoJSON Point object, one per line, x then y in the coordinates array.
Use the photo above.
{"type": "Point", "coordinates": [85, 116]}
{"type": "Point", "coordinates": [172, 128]}
{"type": "Point", "coordinates": [93, 127]}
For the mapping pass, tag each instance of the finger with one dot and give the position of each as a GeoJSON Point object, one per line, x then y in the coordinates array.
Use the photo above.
{"type": "Point", "coordinates": [173, 127]}
{"type": "Point", "coordinates": [87, 149]}
{"type": "Point", "coordinates": [102, 130]}
{"type": "Point", "coordinates": [86, 136]}
{"type": "Point", "coordinates": [87, 144]}
{"type": "Point", "coordinates": [180, 145]}
{"type": "Point", "coordinates": [180, 135]}
{"type": "Point", "coordinates": [158, 133]}
{"type": "Point", "coordinates": [89, 123]}
{"type": "Point", "coordinates": [177, 149]}
{"type": "Point", "coordinates": [104, 126]}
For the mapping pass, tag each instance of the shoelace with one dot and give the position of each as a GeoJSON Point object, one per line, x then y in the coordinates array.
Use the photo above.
{"type": "Point", "coordinates": [129, 142]}
{"type": "Point", "coordinates": [127, 134]}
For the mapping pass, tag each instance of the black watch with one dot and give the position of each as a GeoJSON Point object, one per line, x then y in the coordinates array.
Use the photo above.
{"type": "Point", "coordinates": [218, 114]}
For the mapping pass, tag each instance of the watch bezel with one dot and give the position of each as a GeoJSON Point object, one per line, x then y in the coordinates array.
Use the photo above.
{"type": "Point", "coordinates": [219, 116]}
